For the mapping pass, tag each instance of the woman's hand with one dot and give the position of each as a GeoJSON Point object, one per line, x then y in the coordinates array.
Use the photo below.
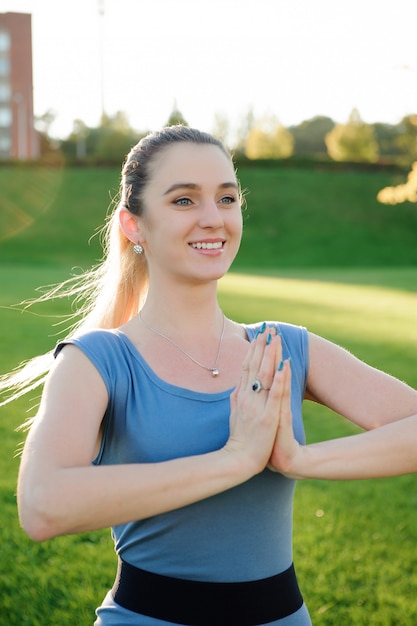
{"type": "Point", "coordinates": [255, 415]}
{"type": "Point", "coordinates": [286, 449]}
{"type": "Point", "coordinates": [385, 451]}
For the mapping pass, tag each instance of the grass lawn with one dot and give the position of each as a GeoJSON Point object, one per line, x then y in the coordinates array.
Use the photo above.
{"type": "Point", "coordinates": [354, 541]}
{"type": "Point", "coordinates": [293, 218]}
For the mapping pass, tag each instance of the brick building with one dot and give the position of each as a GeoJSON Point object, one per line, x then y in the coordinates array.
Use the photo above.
{"type": "Point", "coordinates": [18, 138]}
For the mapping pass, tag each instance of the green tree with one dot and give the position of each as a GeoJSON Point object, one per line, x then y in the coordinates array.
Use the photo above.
{"type": "Point", "coordinates": [107, 143]}
{"type": "Point", "coordinates": [245, 126]}
{"type": "Point", "coordinates": [353, 141]}
{"type": "Point", "coordinates": [43, 123]}
{"type": "Point", "coordinates": [406, 192]}
{"type": "Point", "coordinates": [221, 127]}
{"type": "Point", "coordinates": [268, 139]}
{"type": "Point", "coordinates": [387, 136]}
{"type": "Point", "coordinates": [119, 122]}
{"type": "Point", "coordinates": [176, 117]}
{"type": "Point", "coordinates": [309, 135]}
{"type": "Point", "coordinates": [407, 140]}
{"type": "Point", "coordinates": [80, 132]}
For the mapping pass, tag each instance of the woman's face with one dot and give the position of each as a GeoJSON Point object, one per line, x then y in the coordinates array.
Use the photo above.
{"type": "Point", "coordinates": [192, 223]}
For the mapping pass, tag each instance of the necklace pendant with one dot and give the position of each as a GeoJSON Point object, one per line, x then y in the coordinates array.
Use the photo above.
{"type": "Point", "coordinates": [214, 372]}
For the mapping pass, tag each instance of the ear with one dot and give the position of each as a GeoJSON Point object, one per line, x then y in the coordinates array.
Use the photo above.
{"type": "Point", "coordinates": [129, 224]}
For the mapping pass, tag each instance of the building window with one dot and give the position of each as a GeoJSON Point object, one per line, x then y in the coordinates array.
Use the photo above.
{"type": "Point", "coordinates": [5, 144]}
{"type": "Point", "coordinates": [4, 41]}
{"type": "Point", "coordinates": [4, 66]}
{"type": "Point", "coordinates": [5, 117]}
{"type": "Point", "coordinates": [5, 92]}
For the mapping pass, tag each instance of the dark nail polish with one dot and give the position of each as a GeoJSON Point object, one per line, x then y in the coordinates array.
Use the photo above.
{"type": "Point", "coordinates": [268, 339]}
{"type": "Point", "coordinates": [280, 366]}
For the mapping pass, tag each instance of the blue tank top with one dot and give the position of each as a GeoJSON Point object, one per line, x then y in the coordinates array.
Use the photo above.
{"type": "Point", "coordinates": [242, 534]}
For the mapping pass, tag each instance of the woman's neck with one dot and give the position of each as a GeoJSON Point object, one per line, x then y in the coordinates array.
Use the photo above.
{"type": "Point", "coordinates": [189, 310]}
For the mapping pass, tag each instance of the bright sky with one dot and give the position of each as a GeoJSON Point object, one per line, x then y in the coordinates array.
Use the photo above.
{"type": "Point", "coordinates": [291, 58]}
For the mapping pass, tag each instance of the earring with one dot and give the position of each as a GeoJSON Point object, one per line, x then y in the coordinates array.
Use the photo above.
{"type": "Point", "coordinates": [138, 249]}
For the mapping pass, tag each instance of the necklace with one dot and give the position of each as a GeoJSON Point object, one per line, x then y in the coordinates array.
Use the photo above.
{"type": "Point", "coordinates": [214, 371]}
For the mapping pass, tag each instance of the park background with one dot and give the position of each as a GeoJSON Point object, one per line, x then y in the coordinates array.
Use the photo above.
{"type": "Point", "coordinates": [330, 234]}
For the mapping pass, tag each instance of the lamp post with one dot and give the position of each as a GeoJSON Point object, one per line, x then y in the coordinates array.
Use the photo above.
{"type": "Point", "coordinates": [101, 27]}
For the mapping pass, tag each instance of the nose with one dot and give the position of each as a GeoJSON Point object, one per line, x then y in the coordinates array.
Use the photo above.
{"type": "Point", "coordinates": [211, 215]}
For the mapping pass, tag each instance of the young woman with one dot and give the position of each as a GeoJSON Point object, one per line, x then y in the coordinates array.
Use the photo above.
{"type": "Point", "coordinates": [181, 429]}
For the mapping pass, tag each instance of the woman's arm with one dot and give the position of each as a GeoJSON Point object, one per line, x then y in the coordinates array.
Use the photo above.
{"type": "Point", "coordinates": [364, 395]}
{"type": "Point", "coordinates": [367, 397]}
{"type": "Point", "coordinates": [389, 450]}
{"type": "Point", "coordinates": [60, 492]}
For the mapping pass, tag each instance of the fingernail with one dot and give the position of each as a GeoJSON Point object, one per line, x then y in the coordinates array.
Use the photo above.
{"type": "Point", "coordinates": [280, 366]}
{"type": "Point", "coordinates": [268, 339]}
{"type": "Point", "coordinates": [261, 329]}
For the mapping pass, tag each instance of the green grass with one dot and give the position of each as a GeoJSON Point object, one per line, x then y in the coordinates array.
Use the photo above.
{"type": "Point", "coordinates": [302, 218]}
{"type": "Point", "coordinates": [354, 541]}
{"type": "Point", "coordinates": [294, 218]}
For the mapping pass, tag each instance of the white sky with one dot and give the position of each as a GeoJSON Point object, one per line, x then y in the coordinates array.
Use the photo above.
{"type": "Point", "coordinates": [291, 58]}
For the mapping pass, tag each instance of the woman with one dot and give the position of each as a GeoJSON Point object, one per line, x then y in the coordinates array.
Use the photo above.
{"type": "Point", "coordinates": [181, 429]}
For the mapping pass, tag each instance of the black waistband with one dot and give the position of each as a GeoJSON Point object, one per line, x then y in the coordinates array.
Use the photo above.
{"type": "Point", "coordinates": [195, 603]}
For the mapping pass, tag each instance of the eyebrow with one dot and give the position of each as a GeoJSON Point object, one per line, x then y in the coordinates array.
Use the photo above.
{"type": "Point", "coordinates": [176, 186]}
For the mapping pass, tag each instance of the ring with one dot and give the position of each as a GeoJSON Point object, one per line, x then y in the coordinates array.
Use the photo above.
{"type": "Point", "coordinates": [257, 386]}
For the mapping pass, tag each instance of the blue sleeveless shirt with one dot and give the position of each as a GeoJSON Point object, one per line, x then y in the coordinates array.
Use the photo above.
{"type": "Point", "coordinates": [242, 534]}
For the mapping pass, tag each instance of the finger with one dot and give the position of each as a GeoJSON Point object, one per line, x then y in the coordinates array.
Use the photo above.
{"type": "Point", "coordinates": [253, 358]}
{"type": "Point", "coordinates": [270, 359]}
{"type": "Point", "coordinates": [280, 394]}
{"type": "Point", "coordinates": [246, 365]}
{"type": "Point", "coordinates": [261, 344]}
{"type": "Point", "coordinates": [278, 352]}
{"type": "Point", "coordinates": [285, 408]}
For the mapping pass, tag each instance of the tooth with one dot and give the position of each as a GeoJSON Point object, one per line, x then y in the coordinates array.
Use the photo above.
{"type": "Point", "coordinates": [207, 246]}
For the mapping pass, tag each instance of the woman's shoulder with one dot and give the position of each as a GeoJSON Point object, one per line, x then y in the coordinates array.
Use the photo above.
{"type": "Point", "coordinates": [106, 350]}
{"type": "Point", "coordinates": [96, 339]}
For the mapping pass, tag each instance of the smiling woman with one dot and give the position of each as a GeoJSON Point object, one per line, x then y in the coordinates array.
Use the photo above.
{"type": "Point", "coordinates": [202, 212]}
{"type": "Point", "coordinates": [169, 422]}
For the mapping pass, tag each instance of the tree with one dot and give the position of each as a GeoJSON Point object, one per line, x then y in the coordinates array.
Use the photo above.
{"type": "Point", "coordinates": [119, 122]}
{"type": "Point", "coordinates": [80, 132]}
{"type": "Point", "coordinates": [406, 192]}
{"type": "Point", "coordinates": [107, 143]}
{"type": "Point", "coordinates": [354, 141]}
{"type": "Point", "coordinates": [387, 136]}
{"type": "Point", "coordinates": [43, 123]}
{"type": "Point", "coordinates": [407, 140]}
{"type": "Point", "coordinates": [242, 133]}
{"type": "Point", "coordinates": [176, 117]}
{"type": "Point", "coordinates": [268, 139]}
{"type": "Point", "coordinates": [221, 128]}
{"type": "Point", "coordinates": [309, 135]}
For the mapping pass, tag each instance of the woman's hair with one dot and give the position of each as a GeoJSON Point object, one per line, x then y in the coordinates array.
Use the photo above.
{"type": "Point", "coordinates": [112, 292]}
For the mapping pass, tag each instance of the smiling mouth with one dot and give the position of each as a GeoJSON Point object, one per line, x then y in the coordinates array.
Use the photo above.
{"type": "Point", "coordinates": [207, 246]}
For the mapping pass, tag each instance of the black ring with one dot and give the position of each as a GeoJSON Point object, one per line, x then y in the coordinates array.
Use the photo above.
{"type": "Point", "coordinates": [257, 386]}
